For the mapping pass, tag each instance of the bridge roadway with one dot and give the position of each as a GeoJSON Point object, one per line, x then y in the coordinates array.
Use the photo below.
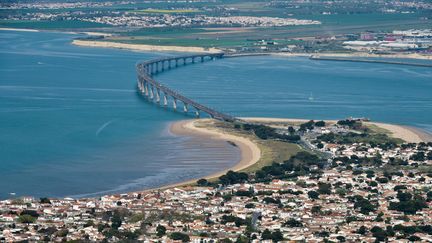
{"type": "Point", "coordinates": [158, 92]}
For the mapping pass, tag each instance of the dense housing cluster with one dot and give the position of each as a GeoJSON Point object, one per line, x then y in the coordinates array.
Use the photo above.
{"type": "Point", "coordinates": [375, 190]}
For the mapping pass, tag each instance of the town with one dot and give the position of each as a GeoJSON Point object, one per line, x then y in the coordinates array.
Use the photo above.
{"type": "Point", "coordinates": [371, 188]}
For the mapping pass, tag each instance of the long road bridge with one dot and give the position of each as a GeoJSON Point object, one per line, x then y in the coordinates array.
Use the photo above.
{"type": "Point", "coordinates": [162, 94]}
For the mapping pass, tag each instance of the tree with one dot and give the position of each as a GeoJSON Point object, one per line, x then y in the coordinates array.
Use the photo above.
{"type": "Point", "coordinates": [271, 200]}
{"type": "Point", "coordinates": [202, 182]}
{"type": "Point", "coordinates": [362, 230]}
{"type": "Point", "coordinates": [291, 130]}
{"type": "Point", "coordinates": [324, 188]}
{"type": "Point", "coordinates": [266, 235]}
{"type": "Point", "coordinates": [277, 236]}
{"type": "Point", "coordinates": [160, 231]}
{"type": "Point", "coordinates": [378, 233]}
{"type": "Point", "coordinates": [340, 238]}
{"type": "Point", "coordinates": [116, 220]}
{"type": "Point", "coordinates": [232, 177]}
{"type": "Point", "coordinates": [26, 219]}
{"type": "Point", "coordinates": [316, 209]}
{"type": "Point", "coordinates": [320, 123]}
{"type": "Point", "coordinates": [313, 194]}
{"type": "Point", "coordinates": [293, 223]}
{"type": "Point", "coordinates": [45, 200]}
{"type": "Point", "coordinates": [180, 236]}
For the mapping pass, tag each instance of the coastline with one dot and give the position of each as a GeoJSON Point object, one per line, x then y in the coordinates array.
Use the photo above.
{"type": "Point", "coordinates": [17, 29]}
{"type": "Point", "coordinates": [142, 47]}
{"type": "Point", "coordinates": [251, 153]}
{"type": "Point", "coordinates": [406, 133]}
{"type": "Point", "coordinates": [359, 54]}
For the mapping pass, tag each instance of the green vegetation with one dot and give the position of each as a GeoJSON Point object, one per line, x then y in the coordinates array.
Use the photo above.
{"type": "Point", "coordinates": [180, 236]}
{"type": "Point", "coordinates": [26, 219]}
{"type": "Point", "coordinates": [380, 140]}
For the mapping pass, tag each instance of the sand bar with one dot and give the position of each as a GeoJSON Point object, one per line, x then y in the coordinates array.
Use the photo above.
{"type": "Point", "coordinates": [142, 47]}
{"type": "Point", "coordinates": [16, 29]}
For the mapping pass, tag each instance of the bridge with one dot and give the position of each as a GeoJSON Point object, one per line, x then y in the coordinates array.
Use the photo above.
{"type": "Point", "coordinates": [164, 95]}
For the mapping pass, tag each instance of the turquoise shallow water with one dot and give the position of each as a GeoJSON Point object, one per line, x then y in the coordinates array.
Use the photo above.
{"type": "Point", "coordinates": [71, 123]}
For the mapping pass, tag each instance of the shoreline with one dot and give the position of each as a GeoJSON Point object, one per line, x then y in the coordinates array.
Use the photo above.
{"type": "Point", "coordinates": [358, 54]}
{"type": "Point", "coordinates": [142, 47]}
{"type": "Point", "coordinates": [407, 133]}
{"type": "Point", "coordinates": [18, 29]}
{"type": "Point", "coordinates": [251, 153]}
{"type": "Point", "coordinates": [145, 47]}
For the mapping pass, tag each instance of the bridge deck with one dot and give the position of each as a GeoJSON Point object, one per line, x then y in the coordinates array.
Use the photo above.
{"type": "Point", "coordinates": [145, 76]}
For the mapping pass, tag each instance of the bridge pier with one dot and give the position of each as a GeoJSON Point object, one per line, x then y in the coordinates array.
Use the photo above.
{"type": "Point", "coordinates": [185, 107]}
{"type": "Point", "coordinates": [146, 89]}
{"type": "Point", "coordinates": [176, 62]}
{"type": "Point", "coordinates": [151, 92]}
{"type": "Point", "coordinates": [157, 96]}
{"type": "Point", "coordinates": [165, 102]}
{"type": "Point", "coordinates": [197, 113]}
{"type": "Point", "coordinates": [174, 103]}
{"type": "Point", "coordinates": [202, 59]}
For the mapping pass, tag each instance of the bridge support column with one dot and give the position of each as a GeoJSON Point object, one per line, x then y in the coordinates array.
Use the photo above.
{"type": "Point", "coordinates": [175, 103]}
{"type": "Point", "coordinates": [184, 61]}
{"type": "Point", "coordinates": [176, 63]}
{"type": "Point", "coordinates": [157, 95]}
{"type": "Point", "coordinates": [197, 113]}
{"type": "Point", "coordinates": [165, 101]}
{"type": "Point", "coordinates": [163, 66]}
{"type": "Point", "coordinates": [146, 89]}
{"type": "Point", "coordinates": [151, 92]}
{"type": "Point", "coordinates": [185, 107]}
{"type": "Point", "coordinates": [202, 59]}
{"type": "Point", "coordinates": [193, 59]}
{"type": "Point", "coordinates": [142, 88]}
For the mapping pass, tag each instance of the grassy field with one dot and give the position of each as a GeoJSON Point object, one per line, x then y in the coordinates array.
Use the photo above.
{"type": "Point", "coordinates": [271, 150]}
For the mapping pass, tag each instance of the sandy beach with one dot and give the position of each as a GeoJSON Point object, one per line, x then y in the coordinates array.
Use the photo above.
{"type": "Point", "coordinates": [16, 29]}
{"type": "Point", "coordinates": [141, 47]}
{"type": "Point", "coordinates": [250, 152]}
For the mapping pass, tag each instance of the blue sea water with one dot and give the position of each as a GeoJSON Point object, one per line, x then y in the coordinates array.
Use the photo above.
{"type": "Point", "coordinates": [72, 124]}
{"type": "Point", "coordinates": [297, 87]}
